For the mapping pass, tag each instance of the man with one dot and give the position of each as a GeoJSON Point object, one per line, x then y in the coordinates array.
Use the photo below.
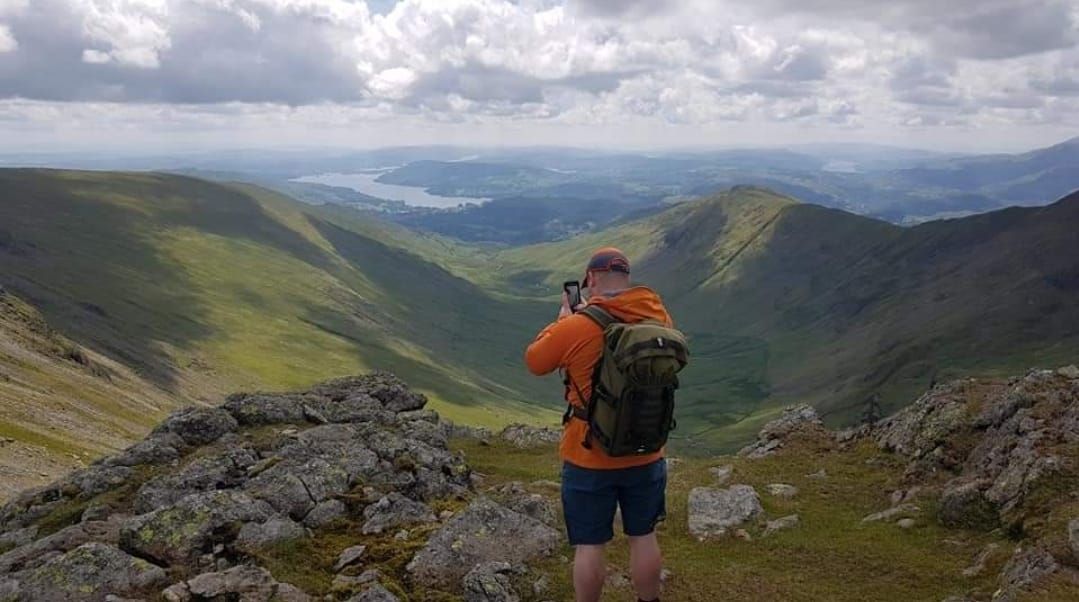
{"type": "Point", "coordinates": [593, 483]}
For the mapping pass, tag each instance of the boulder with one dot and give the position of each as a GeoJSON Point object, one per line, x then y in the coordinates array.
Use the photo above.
{"type": "Point", "coordinates": [1027, 567]}
{"type": "Point", "coordinates": [259, 409]}
{"type": "Point", "coordinates": [781, 524]}
{"type": "Point", "coordinates": [256, 536]}
{"type": "Point", "coordinates": [782, 490]}
{"type": "Point", "coordinates": [198, 426]}
{"type": "Point", "coordinates": [796, 419]}
{"type": "Point", "coordinates": [964, 505]}
{"type": "Point", "coordinates": [33, 554]}
{"type": "Point", "coordinates": [93, 571]}
{"type": "Point", "coordinates": [324, 513]}
{"type": "Point", "coordinates": [524, 436]}
{"type": "Point", "coordinates": [490, 582]}
{"type": "Point", "coordinates": [246, 583]}
{"type": "Point", "coordinates": [712, 512]}
{"type": "Point", "coordinates": [208, 473]}
{"type": "Point", "coordinates": [395, 510]}
{"type": "Point", "coordinates": [484, 532]}
{"type": "Point", "coordinates": [178, 534]}
{"type": "Point", "coordinates": [158, 448]}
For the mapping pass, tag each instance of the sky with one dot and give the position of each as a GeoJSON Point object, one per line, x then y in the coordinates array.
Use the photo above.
{"type": "Point", "coordinates": [158, 75]}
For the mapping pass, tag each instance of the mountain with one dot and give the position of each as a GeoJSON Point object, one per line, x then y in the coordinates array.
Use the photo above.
{"type": "Point", "coordinates": [791, 302]}
{"type": "Point", "coordinates": [204, 287]}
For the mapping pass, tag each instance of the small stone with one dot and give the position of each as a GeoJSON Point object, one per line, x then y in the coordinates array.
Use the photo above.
{"type": "Point", "coordinates": [349, 557]}
{"type": "Point", "coordinates": [711, 512]}
{"type": "Point", "coordinates": [401, 535]}
{"type": "Point", "coordinates": [445, 514]}
{"type": "Point", "coordinates": [780, 524]}
{"type": "Point", "coordinates": [743, 535]}
{"type": "Point", "coordinates": [541, 585]}
{"type": "Point", "coordinates": [1073, 537]}
{"type": "Point", "coordinates": [617, 579]}
{"type": "Point", "coordinates": [906, 523]}
{"type": "Point", "coordinates": [820, 474]}
{"type": "Point", "coordinates": [722, 473]}
{"type": "Point", "coordinates": [375, 593]}
{"type": "Point", "coordinates": [978, 566]}
{"type": "Point", "coordinates": [892, 512]}
{"type": "Point", "coordinates": [782, 490]}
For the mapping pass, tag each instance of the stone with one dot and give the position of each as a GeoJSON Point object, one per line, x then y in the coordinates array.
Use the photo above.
{"type": "Point", "coordinates": [18, 537]}
{"type": "Point", "coordinates": [325, 513]}
{"type": "Point", "coordinates": [1071, 372]}
{"type": "Point", "coordinates": [209, 473]}
{"type": "Point", "coordinates": [198, 426]}
{"type": "Point", "coordinates": [712, 512]}
{"type": "Point", "coordinates": [977, 567]}
{"type": "Point", "coordinates": [91, 571]}
{"type": "Point", "coordinates": [782, 490]}
{"type": "Point", "coordinates": [490, 582]}
{"type": "Point", "coordinates": [514, 496]}
{"type": "Point", "coordinates": [160, 448]}
{"type": "Point", "coordinates": [722, 473]}
{"type": "Point", "coordinates": [964, 505]}
{"type": "Point", "coordinates": [295, 485]}
{"type": "Point", "coordinates": [896, 512]}
{"type": "Point", "coordinates": [375, 593]}
{"type": "Point", "coordinates": [1027, 567]}
{"type": "Point", "coordinates": [781, 524]}
{"type": "Point", "coordinates": [485, 531]}
{"type": "Point", "coordinates": [525, 436]}
{"type": "Point", "coordinates": [35, 553]}
{"type": "Point", "coordinates": [395, 510]}
{"type": "Point", "coordinates": [258, 409]}
{"type": "Point", "coordinates": [906, 523]}
{"type": "Point", "coordinates": [772, 436]}
{"type": "Point", "coordinates": [99, 478]}
{"type": "Point", "coordinates": [246, 583]}
{"type": "Point", "coordinates": [349, 557]}
{"type": "Point", "coordinates": [176, 534]}
{"type": "Point", "coordinates": [257, 536]}
{"type": "Point", "coordinates": [819, 475]}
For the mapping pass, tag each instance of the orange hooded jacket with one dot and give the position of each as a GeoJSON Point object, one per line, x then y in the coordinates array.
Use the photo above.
{"type": "Point", "coordinates": [574, 344]}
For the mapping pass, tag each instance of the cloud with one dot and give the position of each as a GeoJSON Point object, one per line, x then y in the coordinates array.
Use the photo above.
{"type": "Point", "coordinates": [812, 62]}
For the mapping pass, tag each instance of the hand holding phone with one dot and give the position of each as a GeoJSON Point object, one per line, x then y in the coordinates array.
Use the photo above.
{"type": "Point", "coordinates": [572, 290]}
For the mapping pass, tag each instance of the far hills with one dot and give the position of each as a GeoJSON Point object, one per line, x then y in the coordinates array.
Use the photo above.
{"type": "Point", "coordinates": [204, 287]}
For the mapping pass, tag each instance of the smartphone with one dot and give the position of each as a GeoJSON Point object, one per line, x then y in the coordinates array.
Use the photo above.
{"type": "Point", "coordinates": [573, 291]}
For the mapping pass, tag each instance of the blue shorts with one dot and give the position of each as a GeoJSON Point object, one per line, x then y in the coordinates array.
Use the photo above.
{"type": "Point", "coordinates": [589, 499]}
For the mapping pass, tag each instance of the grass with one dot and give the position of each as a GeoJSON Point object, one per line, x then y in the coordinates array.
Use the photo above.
{"type": "Point", "coordinates": [831, 555]}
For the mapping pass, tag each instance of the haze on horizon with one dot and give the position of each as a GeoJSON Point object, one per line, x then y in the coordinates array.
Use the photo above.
{"type": "Point", "coordinates": [170, 75]}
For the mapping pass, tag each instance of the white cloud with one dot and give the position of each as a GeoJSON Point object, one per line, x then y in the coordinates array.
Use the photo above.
{"type": "Point", "coordinates": [8, 43]}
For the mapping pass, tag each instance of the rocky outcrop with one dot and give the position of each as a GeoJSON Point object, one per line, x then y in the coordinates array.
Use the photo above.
{"type": "Point", "coordinates": [188, 513]}
{"type": "Point", "coordinates": [524, 436]}
{"type": "Point", "coordinates": [794, 422]}
{"type": "Point", "coordinates": [714, 512]}
{"type": "Point", "coordinates": [490, 582]}
{"type": "Point", "coordinates": [484, 532]}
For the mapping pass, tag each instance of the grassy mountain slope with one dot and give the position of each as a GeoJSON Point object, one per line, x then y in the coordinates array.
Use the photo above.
{"type": "Point", "coordinates": [789, 302]}
{"type": "Point", "coordinates": [205, 287]}
{"type": "Point", "coordinates": [61, 404]}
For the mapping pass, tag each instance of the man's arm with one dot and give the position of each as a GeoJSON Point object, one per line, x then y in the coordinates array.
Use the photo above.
{"type": "Point", "coordinates": [547, 353]}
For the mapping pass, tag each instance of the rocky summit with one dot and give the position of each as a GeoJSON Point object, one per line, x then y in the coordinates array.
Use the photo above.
{"type": "Point", "coordinates": [197, 509]}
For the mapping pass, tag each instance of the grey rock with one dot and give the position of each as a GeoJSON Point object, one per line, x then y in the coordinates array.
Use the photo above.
{"type": "Point", "coordinates": [896, 512]}
{"type": "Point", "coordinates": [722, 473]}
{"type": "Point", "coordinates": [977, 567]}
{"type": "Point", "coordinates": [395, 510]}
{"type": "Point", "coordinates": [258, 409]}
{"type": "Point", "coordinates": [256, 536]}
{"type": "Point", "coordinates": [712, 512]}
{"type": "Point", "coordinates": [90, 572]}
{"type": "Point", "coordinates": [349, 557]}
{"type": "Point", "coordinates": [160, 448]}
{"type": "Point", "coordinates": [324, 513]}
{"type": "Point", "coordinates": [490, 582]}
{"type": "Point", "coordinates": [18, 537]}
{"type": "Point", "coordinates": [906, 523]}
{"type": "Point", "coordinates": [514, 496]}
{"type": "Point", "coordinates": [177, 534]}
{"type": "Point", "coordinates": [246, 583]}
{"type": "Point", "coordinates": [33, 554]}
{"type": "Point", "coordinates": [99, 478]}
{"type": "Point", "coordinates": [483, 532]}
{"type": "Point", "coordinates": [198, 426]}
{"type": "Point", "coordinates": [525, 436]}
{"type": "Point", "coordinates": [772, 436]}
{"type": "Point", "coordinates": [375, 593]}
{"type": "Point", "coordinates": [781, 524]}
{"type": "Point", "coordinates": [1027, 567]}
{"type": "Point", "coordinates": [209, 473]}
{"type": "Point", "coordinates": [430, 416]}
{"type": "Point", "coordinates": [294, 486]}
{"type": "Point", "coordinates": [964, 505]}
{"type": "Point", "coordinates": [1071, 372]}
{"type": "Point", "coordinates": [782, 490]}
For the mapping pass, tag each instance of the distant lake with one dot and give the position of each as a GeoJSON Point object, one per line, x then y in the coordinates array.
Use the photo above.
{"type": "Point", "coordinates": [366, 183]}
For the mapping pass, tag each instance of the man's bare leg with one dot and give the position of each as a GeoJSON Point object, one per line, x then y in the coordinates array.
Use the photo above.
{"type": "Point", "coordinates": [589, 572]}
{"type": "Point", "coordinates": [645, 562]}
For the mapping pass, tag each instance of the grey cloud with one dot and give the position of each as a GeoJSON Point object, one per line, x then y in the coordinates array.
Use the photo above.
{"type": "Point", "coordinates": [623, 8]}
{"type": "Point", "coordinates": [489, 85]}
{"type": "Point", "coordinates": [213, 57]}
{"type": "Point", "coordinates": [1008, 31]}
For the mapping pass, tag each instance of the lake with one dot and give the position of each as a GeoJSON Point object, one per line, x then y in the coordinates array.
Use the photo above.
{"type": "Point", "coordinates": [366, 183]}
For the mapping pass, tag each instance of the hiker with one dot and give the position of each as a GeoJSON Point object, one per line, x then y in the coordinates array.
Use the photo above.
{"type": "Point", "coordinates": [604, 467]}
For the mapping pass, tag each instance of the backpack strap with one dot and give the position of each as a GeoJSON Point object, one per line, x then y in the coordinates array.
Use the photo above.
{"type": "Point", "coordinates": [600, 316]}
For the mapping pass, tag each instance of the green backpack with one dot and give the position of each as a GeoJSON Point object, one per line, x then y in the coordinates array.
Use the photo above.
{"type": "Point", "coordinates": [631, 410]}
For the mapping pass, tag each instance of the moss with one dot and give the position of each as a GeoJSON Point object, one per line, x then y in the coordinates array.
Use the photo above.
{"type": "Point", "coordinates": [64, 514]}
